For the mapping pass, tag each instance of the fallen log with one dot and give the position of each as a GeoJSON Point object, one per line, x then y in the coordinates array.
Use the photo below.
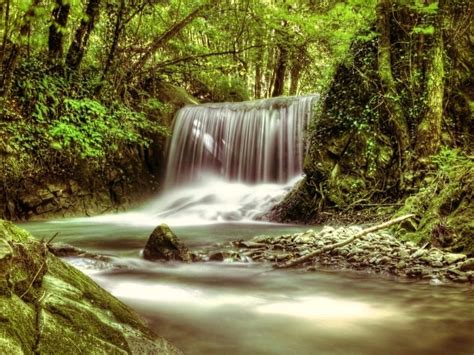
{"type": "Point", "coordinates": [327, 248]}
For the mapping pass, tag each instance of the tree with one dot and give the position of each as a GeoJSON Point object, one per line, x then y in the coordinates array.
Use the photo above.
{"type": "Point", "coordinates": [81, 37]}
{"type": "Point", "coordinates": [60, 17]}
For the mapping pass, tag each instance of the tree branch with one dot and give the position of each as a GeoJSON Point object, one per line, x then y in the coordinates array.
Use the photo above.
{"type": "Point", "coordinates": [213, 54]}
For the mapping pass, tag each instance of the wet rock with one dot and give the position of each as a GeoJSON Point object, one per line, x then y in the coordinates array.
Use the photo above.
{"type": "Point", "coordinates": [261, 239]}
{"type": "Point", "coordinates": [436, 281]}
{"type": "Point", "coordinates": [468, 265]}
{"type": "Point", "coordinates": [457, 275]}
{"type": "Point", "coordinates": [49, 307]}
{"type": "Point", "coordinates": [327, 230]}
{"type": "Point", "coordinates": [164, 245]}
{"type": "Point", "coordinates": [418, 253]}
{"type": "Point", "coordinates": [416, 272]}
{"type": "Point", "coordinates": [64, 250]}
{"type": "Point", "coordinates": [306, 238]}
{"type": "Point", "coordinates": [452, 258]}
{"type": "Point", "coordinates": [251, 244]}
{"type": "Point", "coordinates": [217, 256]}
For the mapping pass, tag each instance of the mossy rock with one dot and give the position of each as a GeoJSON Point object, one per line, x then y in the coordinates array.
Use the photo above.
{"type": "Point", "coordinates": [49, 307]}
{"type": "Point", "coordinates": [444, 210]}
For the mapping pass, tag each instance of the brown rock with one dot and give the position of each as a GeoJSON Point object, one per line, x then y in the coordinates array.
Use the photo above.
{"type": "Point", "coordinates": [163, 244]}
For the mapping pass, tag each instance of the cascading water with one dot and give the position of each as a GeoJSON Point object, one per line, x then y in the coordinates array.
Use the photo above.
{"type": "Point", "coordinates": [253, 142]}
{"type": "Point", "coordinates": [228, 162]}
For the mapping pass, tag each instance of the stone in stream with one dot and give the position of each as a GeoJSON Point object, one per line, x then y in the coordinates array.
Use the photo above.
{"type": "Point", "coordinates": [49, 307]}
{"type": "Point", "coordinates": [468, 265]}
{"type": "Point", "coordinates": [164, 245]}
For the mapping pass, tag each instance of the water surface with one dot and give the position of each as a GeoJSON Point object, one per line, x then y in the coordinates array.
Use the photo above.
{"type": "Point", "coordinates": [234, 308]}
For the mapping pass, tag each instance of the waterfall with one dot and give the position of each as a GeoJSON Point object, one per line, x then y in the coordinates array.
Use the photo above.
{"type": "Point", "coordinates": [259, 141]}
{"type": "Point", "coordinates": [228, 162]}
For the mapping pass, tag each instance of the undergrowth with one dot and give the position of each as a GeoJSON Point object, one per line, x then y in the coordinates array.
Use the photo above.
{"type": "Point", "coordinates": [444, 206]}
{"type": "Point", "coordinates": [54, 126]}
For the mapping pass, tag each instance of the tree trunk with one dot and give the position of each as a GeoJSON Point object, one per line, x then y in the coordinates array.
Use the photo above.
{"type": "Point", "coordinates": [117, 32]}
{"type": "Point", "coordinates": [295, 72]}
{"type": "Point", "coordinates": [79, 44]}
{"type": "Point", "coordinates": [6, 28]}
{"type": "Point", "coordinates": [9, 64]}
{"type": "Point", "coordinates": [280, 72]}
{"type": "Point", "coordinates": [428, 134]}
{"type": "Point", "coordinates": [56, 36]}
{"type": "Point", "coordinates": [390, 94]}
{"type": "Point", "coordinates": [258, 69]}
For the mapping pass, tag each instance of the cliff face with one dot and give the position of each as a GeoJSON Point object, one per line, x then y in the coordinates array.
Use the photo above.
{"type": "Point", "coordinates": [49, 307]}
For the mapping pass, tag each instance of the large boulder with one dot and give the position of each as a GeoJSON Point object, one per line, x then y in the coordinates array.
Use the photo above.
{"type": "Point", "coordinates": [49, 307]}
{"type": "Point", "coordinates": [163, 244]}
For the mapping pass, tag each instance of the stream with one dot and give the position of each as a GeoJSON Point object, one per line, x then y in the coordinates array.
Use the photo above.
{"type": "Point", "coordinates": [237, 308]}
{"type": "Point", "coordinates": [228, 164]}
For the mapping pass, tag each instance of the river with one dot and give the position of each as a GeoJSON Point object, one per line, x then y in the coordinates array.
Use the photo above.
{"type": "Point", "coordinates": [227, 165]}
{"type": "Point", "coordinates": [237, 308]}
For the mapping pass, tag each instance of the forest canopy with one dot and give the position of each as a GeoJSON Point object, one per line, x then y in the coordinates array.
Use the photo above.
{"type": "Point", "coordinates": [217, 50]}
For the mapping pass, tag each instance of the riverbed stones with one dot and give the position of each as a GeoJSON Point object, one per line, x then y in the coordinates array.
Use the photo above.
{"type": "Point", "coordinates": [164, 245]}
{"type": "Point", "coordinates": [374, 252]}
{"type": "Point", "coordinates": [49, 307]}
{"type": "Point", "coordinates": [451, 258]}
{"type": "Point", "coordinates": [467, 265]}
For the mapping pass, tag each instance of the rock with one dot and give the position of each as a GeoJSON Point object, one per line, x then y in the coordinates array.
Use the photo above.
{"type": "Point", "coordinates": [418, 253]}
{"type": "Point", "coordinates": [468, 265]}
{"type": "Point", "coordinates": [163, 244]}
{"type": "Point", "coordinates": [452, 258]}
{"type": "Point", "coordinates": [401, 264]}
{"type": "Point", "coordinates": [457, 275]}
{"type": "Point", "coordinates": [383, 260]}
{"type": "Point", "coordinates": [64, 250]}
{"type": "Point", "coordinates": [306, 238]}
{"type": "Point", "coordinates": [435, 281]}
{"type": "Point", "coordinates": [216, 256]}
{"type": "Point", "coordinates": [49, 307]}
{"type": "Point", "coordinates": [250, 244]}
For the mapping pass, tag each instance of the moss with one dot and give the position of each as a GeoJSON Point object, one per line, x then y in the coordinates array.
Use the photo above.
{"type": "Point", "coordinates": [17, 325]}
{"type": "Point", "coordinates": [444, 207]}
{"type": "Point", "coordinates": [94, 294]}
{"type": "Point", "coordinates": [47, 306]}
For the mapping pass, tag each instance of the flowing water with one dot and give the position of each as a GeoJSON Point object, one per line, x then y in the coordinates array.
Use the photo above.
{"type": "Point", "coordinates": [228, 164]}
{"type": "Point", "coordinates": [234, 308]}
{"type": "Point", "coordinates": [255, 141]}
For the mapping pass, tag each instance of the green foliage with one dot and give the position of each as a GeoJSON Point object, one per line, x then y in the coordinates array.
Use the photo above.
{"type": "Point", "coordinates": [424, 30]}
{"type": "Point", "coordinates": [422, 7]}
{"type": "Point", "coordinates": [451, 162]}
{"type": "Point", "coordinates": [54, 126]}
{"type": "Point", "coordinates": [444, 206]}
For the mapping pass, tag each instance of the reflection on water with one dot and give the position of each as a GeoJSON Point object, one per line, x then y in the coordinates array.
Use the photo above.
{"type": "Point", "coordinates": [217, 308]}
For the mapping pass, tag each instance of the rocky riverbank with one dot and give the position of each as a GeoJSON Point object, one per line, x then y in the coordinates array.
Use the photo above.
{"type": "Point", "coordinates": [377, 252]}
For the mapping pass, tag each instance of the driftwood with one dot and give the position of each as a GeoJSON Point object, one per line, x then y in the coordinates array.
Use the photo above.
{"type": "Point", "coordinates": [344, 242]}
